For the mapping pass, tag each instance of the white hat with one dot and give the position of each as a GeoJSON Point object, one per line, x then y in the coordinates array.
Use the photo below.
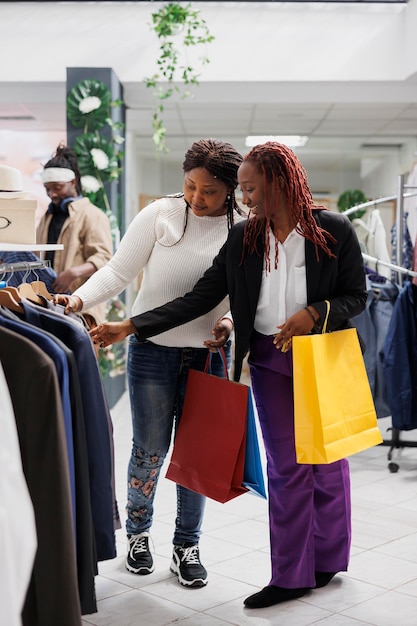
{"type": "Point", "coordinates": [11, 185]}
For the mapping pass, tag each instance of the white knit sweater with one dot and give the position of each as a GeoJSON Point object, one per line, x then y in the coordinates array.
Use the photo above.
{"type": "Point", "coordinates": [171, 266]}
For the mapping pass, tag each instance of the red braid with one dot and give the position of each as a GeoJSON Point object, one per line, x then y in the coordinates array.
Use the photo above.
{"type": "Point", "coordinates": [276, 162]}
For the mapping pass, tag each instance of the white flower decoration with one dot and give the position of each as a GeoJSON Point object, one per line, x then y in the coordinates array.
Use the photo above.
{"type": "Point", "coordinates": [100, 158]}
{"type": "Point", "coordinates": [90, 184]}
{"type": "Point", "coordinates": [89, 104]}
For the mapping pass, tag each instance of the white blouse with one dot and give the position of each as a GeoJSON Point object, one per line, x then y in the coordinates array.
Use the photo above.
{"type": "Point", "coordinates": [284, 289]}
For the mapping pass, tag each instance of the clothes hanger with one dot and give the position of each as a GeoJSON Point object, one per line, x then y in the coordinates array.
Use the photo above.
{"type": "Point", "coordinates": [39, 287]}
{"type": "Point", "coordinates": [10, 299]}
{"type": "Point", "coordinates": [26, 290]}
{"type": "Point", "coordinates": [8, 288]}
{"type": "Point", "coordinates": [7, 300]}
{"type": "Point", "coordinates": [13, 291]}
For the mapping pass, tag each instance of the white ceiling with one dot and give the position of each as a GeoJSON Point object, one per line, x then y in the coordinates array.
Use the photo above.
{"type": "Point", "coordinates": [344, 76]}
{"type": "Point", "coordinates": [341, 132]}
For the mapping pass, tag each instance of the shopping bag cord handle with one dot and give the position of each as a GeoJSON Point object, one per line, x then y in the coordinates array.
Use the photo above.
{"type": "Point", "coordinates": [207, 368]}
{"type": "Point", "coordinates": [324, 328]}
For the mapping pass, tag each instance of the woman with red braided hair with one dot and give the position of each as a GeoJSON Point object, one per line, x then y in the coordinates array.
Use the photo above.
{"type": "Point", "coordinates": [278, 268]}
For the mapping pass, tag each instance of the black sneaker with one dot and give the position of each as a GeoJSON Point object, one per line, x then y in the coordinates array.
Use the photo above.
{"type": "Point", "coordinates": [139, 558]}
{"type": "Point", "coordinates": [187, 566]}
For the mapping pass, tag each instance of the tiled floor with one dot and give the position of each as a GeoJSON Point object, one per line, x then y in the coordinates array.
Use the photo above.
{"type": "Point", "coordinates": [379, 589]}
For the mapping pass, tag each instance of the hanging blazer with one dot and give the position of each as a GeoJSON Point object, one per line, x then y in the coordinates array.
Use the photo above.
{"type": "Point", "coordinates": [52, 597]}
{"type": "Point", "coordinates": [400, 360]}
{"type": "Point", "coordinates": [340, 279]}
{"type": "Point", "coordinates": [97, 421]}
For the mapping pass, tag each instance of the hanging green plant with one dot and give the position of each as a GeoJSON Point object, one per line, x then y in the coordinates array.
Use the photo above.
{"type": "Point", "coordinates": [88, 105]}
{"type": "Point", "coordinates": [349, 199]}
{"type": "Point", "coordinates": [178, 27]}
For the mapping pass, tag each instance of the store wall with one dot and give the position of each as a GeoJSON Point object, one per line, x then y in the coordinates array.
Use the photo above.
{"type": "Point", "coordinates": [333, 182]}
{"type": "Point", "coordinates": [382, 179]}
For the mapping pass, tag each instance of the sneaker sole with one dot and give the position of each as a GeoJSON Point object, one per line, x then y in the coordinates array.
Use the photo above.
{"type": "Point", "coordinates": [195, 584]}
{"type": "Point", "coordinates": [142, 571]}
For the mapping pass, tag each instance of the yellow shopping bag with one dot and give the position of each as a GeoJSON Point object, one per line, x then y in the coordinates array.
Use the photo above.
{"type": "Point", "coordinates": [334, 412]}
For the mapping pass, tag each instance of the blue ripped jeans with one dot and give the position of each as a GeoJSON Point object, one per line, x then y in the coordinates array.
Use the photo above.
{"type": "Point", "coordinates": [157, 377]}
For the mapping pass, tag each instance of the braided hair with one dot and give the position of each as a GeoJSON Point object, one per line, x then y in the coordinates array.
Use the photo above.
{"type": "Point", "coordinates": [283, 173]}
{"type": "Point", "coordinates": [65, 157]}
{"type": "Point", "coordinates": [222, 161]}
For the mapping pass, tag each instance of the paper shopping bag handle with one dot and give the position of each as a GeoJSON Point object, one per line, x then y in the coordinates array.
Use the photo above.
{"type": "Point", "coordinates": [324, 327]}
{"type": "Point", "coordinates": [207, 368]}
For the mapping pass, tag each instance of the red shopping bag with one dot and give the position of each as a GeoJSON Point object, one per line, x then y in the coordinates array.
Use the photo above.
{"type": "Point", "coordinates": [209, 448]}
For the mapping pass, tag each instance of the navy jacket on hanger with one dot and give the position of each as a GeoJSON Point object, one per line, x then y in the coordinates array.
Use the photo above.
{"type": "Point", "coordinates": [400, 360]}
{"type": "Point", "coordinates": [96, 413]}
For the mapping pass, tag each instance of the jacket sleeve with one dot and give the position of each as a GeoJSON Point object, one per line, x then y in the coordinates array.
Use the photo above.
{"type": "Point", "coordinates": [207, 293]}
{"type": "Point", "coordinates": [343, 278]}
{"type": "Point", "coordinates": [97, 241]}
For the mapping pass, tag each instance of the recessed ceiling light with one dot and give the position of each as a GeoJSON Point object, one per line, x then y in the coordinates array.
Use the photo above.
{"type": "Point", "coordinates": [16, 118]}
{"type": "Point", "coordinates": [292, 141]}
{"type": "Point", "coordinates": [381, 146]}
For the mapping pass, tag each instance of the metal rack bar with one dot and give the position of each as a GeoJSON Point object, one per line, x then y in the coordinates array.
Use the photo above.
{"type": "Point", "coordinates": [396, 268]}
{"type": "Point", "coordinates": [23, 266]}
{"type": "Point", "coordinates": [372, 203]}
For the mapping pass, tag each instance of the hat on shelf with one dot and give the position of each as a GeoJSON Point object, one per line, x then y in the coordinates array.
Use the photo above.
{"type": "Point", "coordinates": [11, 185]}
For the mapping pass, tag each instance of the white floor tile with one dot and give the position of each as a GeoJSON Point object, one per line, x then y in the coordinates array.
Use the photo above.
{"type": "Point", "coordinates": [382, 570]}
{"type": "Point", "coordinates": [135, 607]}
{"type": "Point", "coordinates": [388, 609]}
{"type": "Point", "coordinates": [342, 593]}
{"type": "Point", "coordinates": [294, 613]}
{"type": "Point", "coordinates": [404, 548]}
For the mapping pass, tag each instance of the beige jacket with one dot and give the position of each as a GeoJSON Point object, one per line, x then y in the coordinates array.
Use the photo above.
{"type": "Point", "coordinates": [86, 237]}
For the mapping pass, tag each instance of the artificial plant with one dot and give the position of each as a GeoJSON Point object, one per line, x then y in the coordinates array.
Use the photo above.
{"type": "Point", "coordinates": [88, 108]}
{"type": "Point", "coordinates": [349, 199]}
{"type": "Point", "coordinates": [178, 28]}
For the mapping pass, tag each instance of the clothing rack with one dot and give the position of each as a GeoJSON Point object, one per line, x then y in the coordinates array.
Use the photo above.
{"type": "Point", "coordinates": [23, 265]}
{"type": "Point", "coordinates": [395, 268]}
{"type": "Point", "coordinates": [371, 203]}
{"type": "Point", "coordinates": [399, 197]}
{"type": "Point", "coordinates": [395, 442]}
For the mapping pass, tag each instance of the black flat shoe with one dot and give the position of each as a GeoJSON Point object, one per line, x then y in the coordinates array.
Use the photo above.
{"type": "Point", "coordinates": [271, 595]}
{"type": "Point", "coordinates": [323, 578]}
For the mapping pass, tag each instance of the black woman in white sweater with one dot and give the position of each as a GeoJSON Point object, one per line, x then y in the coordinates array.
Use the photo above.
{"type": "Point", "coordinates": [174, 241]}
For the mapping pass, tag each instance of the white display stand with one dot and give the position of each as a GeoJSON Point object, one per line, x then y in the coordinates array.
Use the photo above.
{"type": "Point", "coordinates": [27, 247]}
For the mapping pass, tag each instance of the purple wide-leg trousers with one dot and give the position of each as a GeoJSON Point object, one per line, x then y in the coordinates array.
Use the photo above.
{"type": "Point", "coordinates": [309, 505]}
